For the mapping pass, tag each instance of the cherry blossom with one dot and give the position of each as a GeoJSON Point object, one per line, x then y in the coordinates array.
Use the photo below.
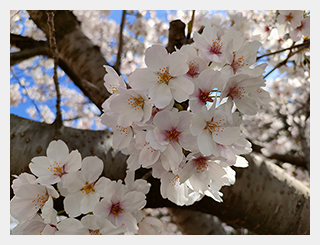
{"type": "Point", "coordinates": [206, 175]}
{"type": "Point", "coordinates": [245, 91]}
{"type": "Point", "coordinates": [170, 135]}
{"type": "Point", "coordinates": [85, 187]}
{"type": "Point", "coordinates": [176, 117]}
{"type": "Point", "coordinates": [302, 30]}
{"type": "Point", "coordinates": [58, 162]}
{"type": "Point", "coordinates": [244, 57]}
{"type": "Point", "coordinates": [22, 179]}
{"type": "Point", "coordinates": [131, 107]}
{"type": "Point", "coordinates": [176, 191]}
{"type": "Point", "coordinates": [112, 81]}
{"type": "Point", "coordinates": [212, 47]}
{"type": "Point", "coordinates": [163, 78]}
{"type": "Point", "coordinates": [30, 198]}
{"type": "Point", "coordinates": [195, 63]}
{"type": "Point", "coordinates": [118, 205]}
{"type": "Point", "coordinates": [149, 226]}
{"type": "Point", "coordinates": [89, 225]}
{"type": "Point", "coordinates": [34, 226]}
{"type": "Point", "coordinates": [207, 81]}
{"type": "Point", "coordinates": [231, 152]}
{"type": "Point", "coordinates": [211, 128]}
{"type": "Point", "coordinates": [289, 20]}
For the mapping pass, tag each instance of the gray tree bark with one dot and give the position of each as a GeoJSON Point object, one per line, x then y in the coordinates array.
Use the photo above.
{"type": "Point", "coordinates": [192, 222]}
{"type": "Point", "coordinates": [264, 198]}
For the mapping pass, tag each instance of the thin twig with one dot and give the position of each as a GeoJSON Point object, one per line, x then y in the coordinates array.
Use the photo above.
{"type": "Point", "coordinates": [286, 60]}
{"type": "Point", "coordinates": [118, 61]}
{"type": "Point", "coordinates": [305, 44]}
{"type": "Point", "coordinates": [190, 25]}
{"type": "Point", "coordinates": [55, 56]}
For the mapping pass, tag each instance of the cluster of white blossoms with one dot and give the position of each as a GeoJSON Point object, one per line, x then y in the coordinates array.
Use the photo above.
{"type": "Point", "coordinates": [93, 205]}
{"type": "Point", "coordinates": [181, 114]}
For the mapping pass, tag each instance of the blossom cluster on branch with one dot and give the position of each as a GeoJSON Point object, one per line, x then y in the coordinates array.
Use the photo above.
{"type": "Point", "coordinates": [94, 205]}
{"type": "Point", "coordinates": [181, 115]}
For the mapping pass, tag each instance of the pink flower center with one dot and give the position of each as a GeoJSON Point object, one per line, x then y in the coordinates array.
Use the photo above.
{"type": "Point", "coordinates": [236, 92]}
{"type": "Point", "coordinates": [94, 232]}
{"type": "Point", "coordinates": [122, 130]}
{"type": "Point", "coordinates": [289, 17]}
{"type": "Point", "coordinates": [193, 69]}
{"type": "Point", "coordinates": [214, 127]}
{"type": "Point", "coordinates": [201, 164]}
{"type": "Point", "coordinates": [204, 97]}
{"type": "Point", "coordinates": [113, 88]}
{"type": "Point", "coordinates": [56, 169]}
{"type": "Point", "coordinates": [172, 135]}
{"type": "Point", "coordinates": [39, 201]}
{"type": "Point", "coordinates": [175, 180]}
{"type": "Point", "coordinates": [136, 102]}
{"type": "Point", "coordinates": [88, 187]}
{"type": "Point", "coordinates": [215, 48]}
{"type": "Point", "coordinates": [164, 75]}
{"type": "Point", "coordinates": [238, 63]}
{"type": "Point", "coordinates": [266, 29]}
{"type": "Point", "coordinates": [116, 209]}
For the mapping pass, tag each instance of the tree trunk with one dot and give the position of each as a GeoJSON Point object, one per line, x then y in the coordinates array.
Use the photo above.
{"type": "Point", "coordinates": [192, 222]}
{"type": "Point", "coordinates": [264, 198]}
{"type": "Point", "coordinates": [77, 51]}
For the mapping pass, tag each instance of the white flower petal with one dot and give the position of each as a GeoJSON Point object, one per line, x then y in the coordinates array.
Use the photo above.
{"type": "Point", "coordinates": [57, 151]}
{"type": "Point", "coordinates": [103, 208]}
{"type": "Point", "coordinates": [142, 79]}
{"type": "Point", "coordinates": [92, 168]}
{"type": "Point", "coordinates": [178, 64]}
{"type": "Point", "coordinates": [206, 144]}
{"type": "Point", "coordinates": [72, 203]}
{"type": "Point", "coordinates": [39, 166]}
{"type": "Point", "coordinates": [226, 135]}
{"type": "Point", "coordinates": [73, 161]}
{"type": "Point", "coordinates": [181, 88]}
{"type": "Point", "coordinates": [88, 202]}
{"type": "Point", "coordinates": [74, 181]}
{"type": "Point", "coordinates": [241, 162]}
{"type": "Point", "coordinates": [156, 57]}
{"type": "Point", "coordinates": [133, 201]}
{"type": "Point", "coordinates": [160, 95]}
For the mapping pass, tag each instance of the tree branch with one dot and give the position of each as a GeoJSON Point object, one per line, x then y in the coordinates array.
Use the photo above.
{"type": "Point", "coordinates": [120, 45]}
{"type": "Point", "coordinates": [288, 57]}
{"type": "Point", "coordinates": [77, 52]}
{"type": "Point", "coordinates": [53, 46]}
{"type": "Point", "coordinates": [177, 36]}
{"type": "Point", "coordinates": [192, 222]}
{"type": "Point", "coordinates": [294, 160]}
{"type": "Point", "coordinates": [264, 198]}
{"type": "Point", "coordinates": [305, 44]}
{"type": "Point", "coordinates": [29, 48]}
{"type": "Point", "coordinates": [190, 25]}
